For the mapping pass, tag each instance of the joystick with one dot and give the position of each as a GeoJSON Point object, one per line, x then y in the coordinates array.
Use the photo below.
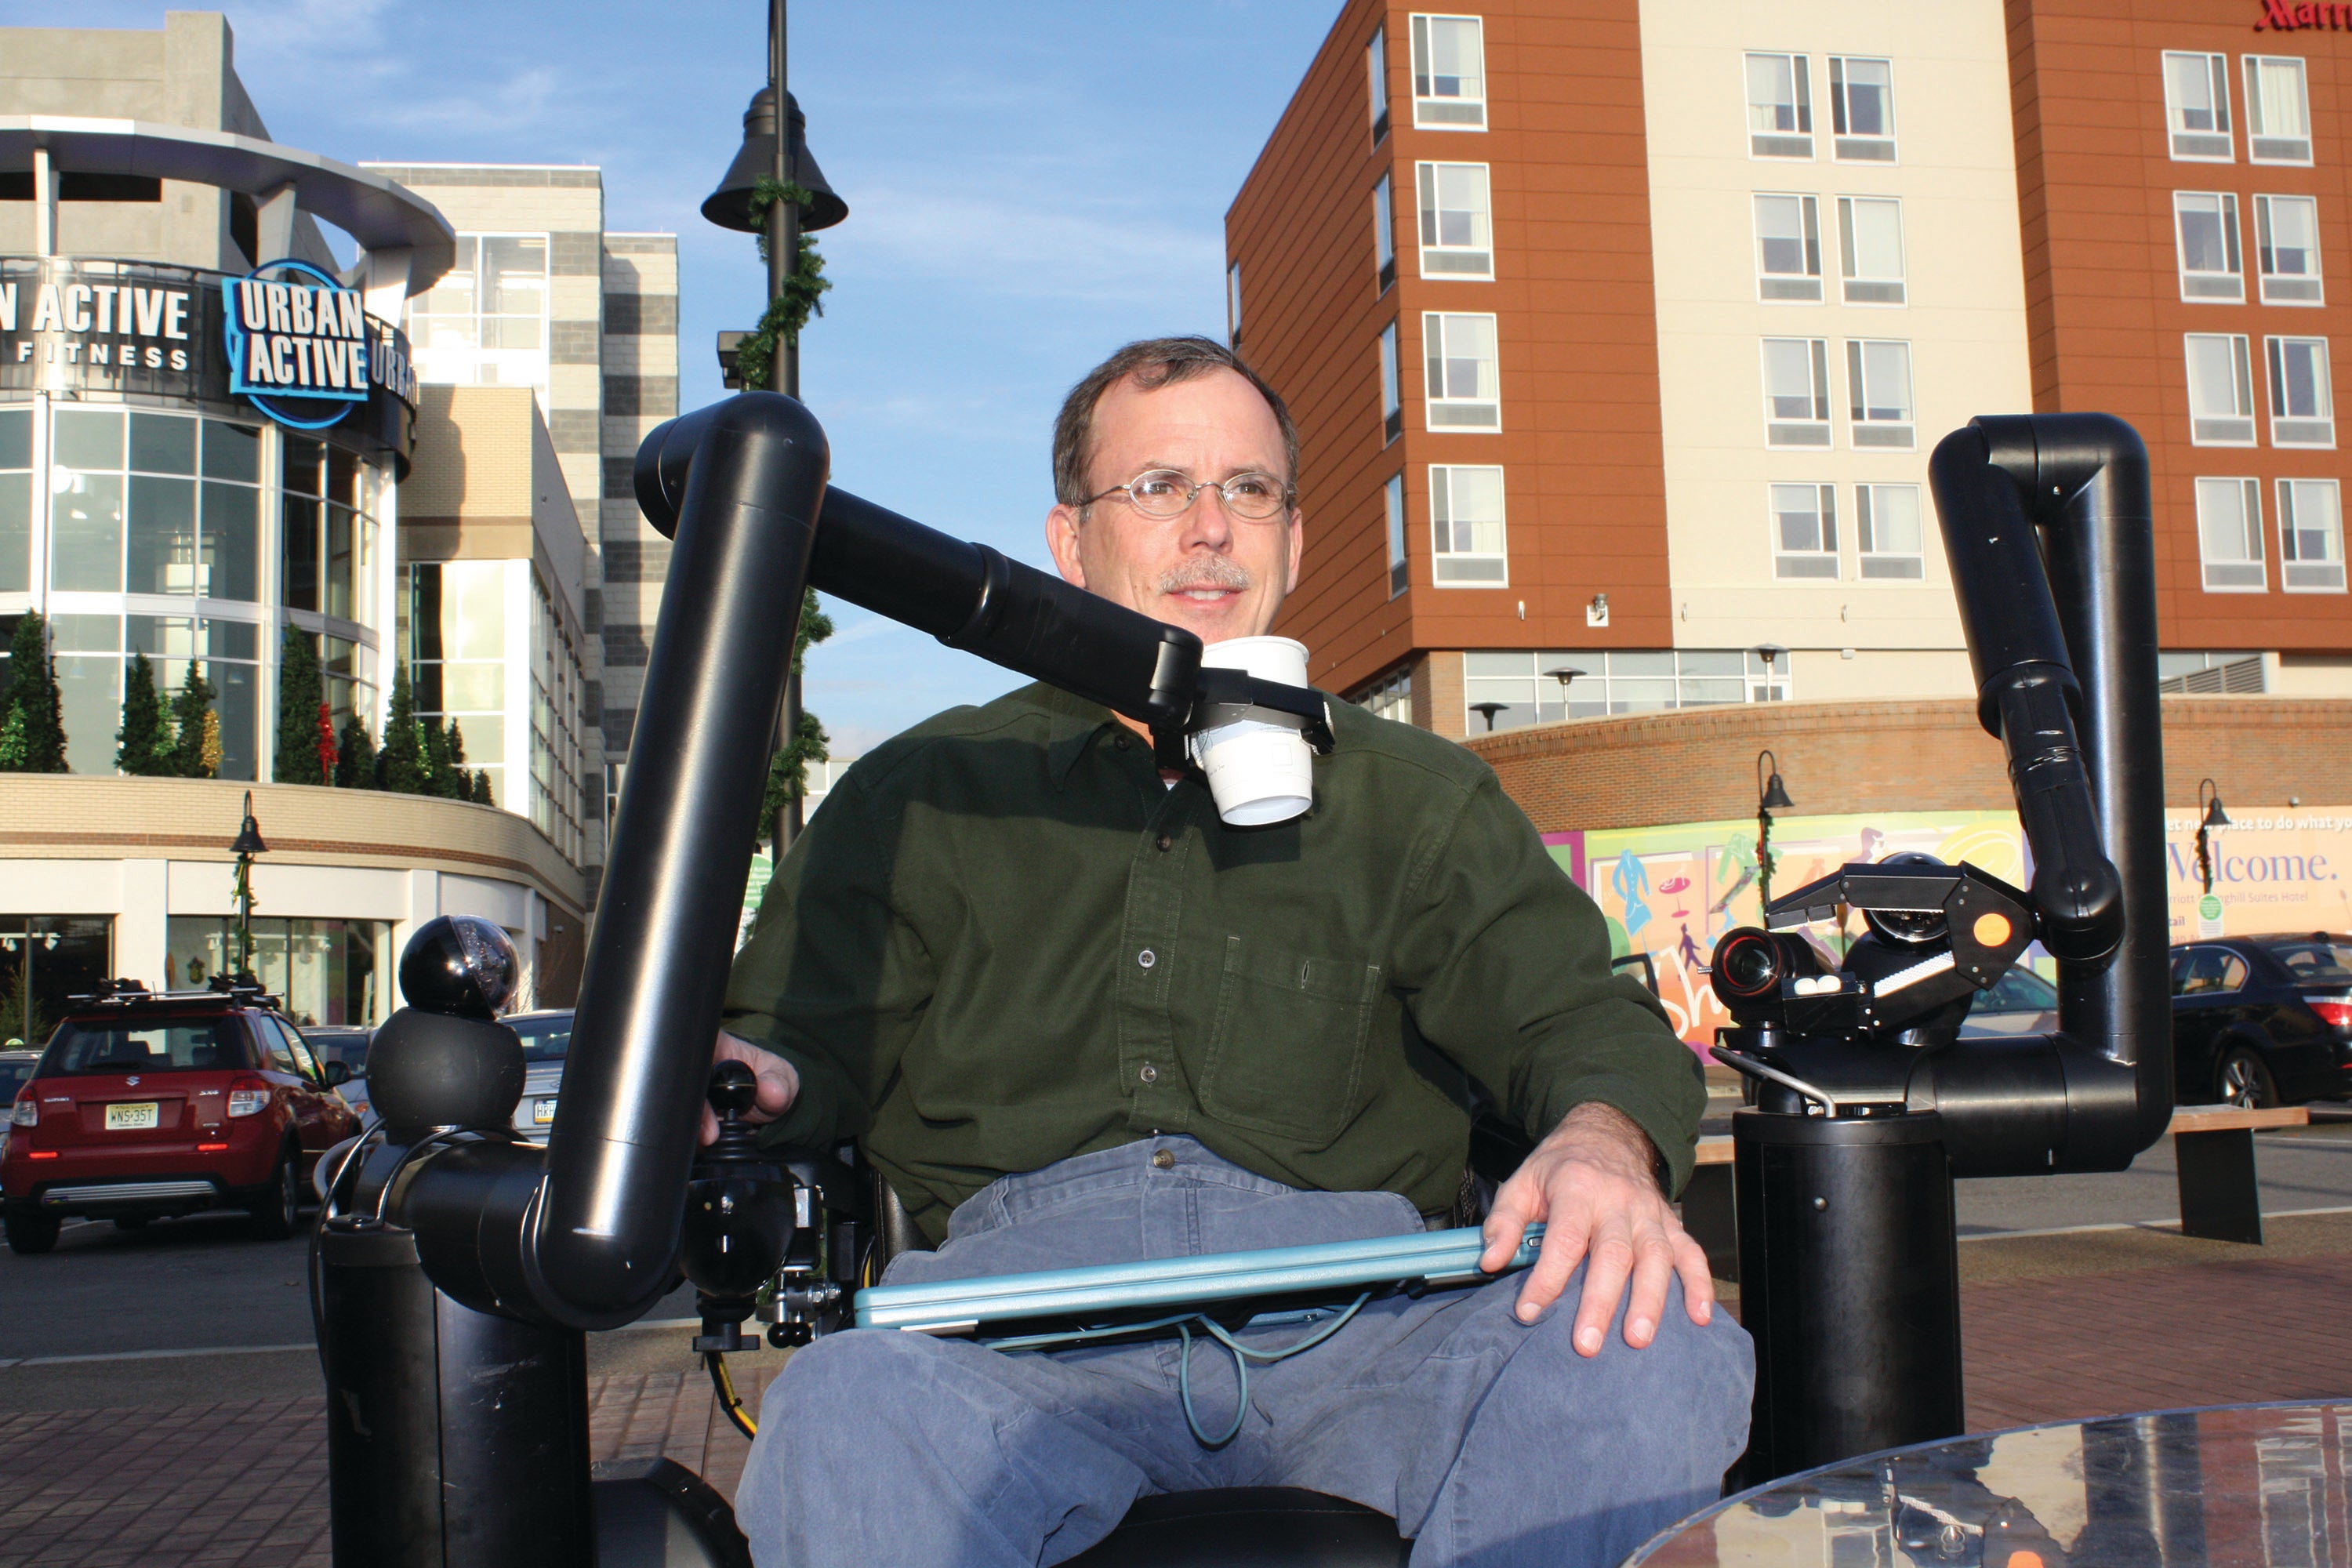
{"type": "Point", "coordinates": [740, 1217]}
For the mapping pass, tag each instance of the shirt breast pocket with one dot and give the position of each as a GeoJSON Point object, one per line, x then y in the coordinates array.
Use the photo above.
{"type": "Point", "coordinates": [1286, 1053]}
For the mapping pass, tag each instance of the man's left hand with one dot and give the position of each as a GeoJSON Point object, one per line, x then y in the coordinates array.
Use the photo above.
{"type": "Point", "coordinates": [1589, 1184]}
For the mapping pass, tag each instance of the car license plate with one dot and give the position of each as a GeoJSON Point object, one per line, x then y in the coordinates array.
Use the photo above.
{"type": "Point", "coordinates": [130, 1118]}
{"type": "Point", "coordinates": [542, 1112]}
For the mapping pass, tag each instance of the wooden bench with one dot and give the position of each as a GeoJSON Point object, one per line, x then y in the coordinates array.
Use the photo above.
{"type": "Point", "coordinates": [2214, 1149]}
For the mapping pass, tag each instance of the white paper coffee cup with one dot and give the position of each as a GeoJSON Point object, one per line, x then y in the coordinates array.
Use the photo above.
{"type": "Point", "coordinates": [1259, 773]}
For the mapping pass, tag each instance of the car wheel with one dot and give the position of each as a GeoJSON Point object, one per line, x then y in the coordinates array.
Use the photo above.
{"type": "Point", "coordinates": [278, 1212]}
{"type": "Point", "coordinates": [30, 1232]}
{"type": "Point", "coordinates": [132, 1221]}
{"type": "Point", "coordinates": [2244, 1082]}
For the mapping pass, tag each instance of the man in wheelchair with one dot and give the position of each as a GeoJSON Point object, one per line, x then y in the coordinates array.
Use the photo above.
{"type": "Point", "coordinates": [1073, 1017]}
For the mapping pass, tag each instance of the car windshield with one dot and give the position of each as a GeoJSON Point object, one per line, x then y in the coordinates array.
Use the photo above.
{"type": "Point", "coordinates": [13, 1076]}
{"type": "Point", "coordinates": [2019, 990]}
{"type": "Point", "coordinates": [145, 1045]}
{"type": "Point", "coordinates": [2314, 959]}
{"type": "Point", "coordinates": [543, 1039]}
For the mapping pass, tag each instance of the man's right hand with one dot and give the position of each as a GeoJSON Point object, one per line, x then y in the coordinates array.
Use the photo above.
{"type": "Point", "coordinates": [779, 1085]}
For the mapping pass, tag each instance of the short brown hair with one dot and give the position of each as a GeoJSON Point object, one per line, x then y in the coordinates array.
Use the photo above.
{"type": "Point", "coordinates": [1154, 363]}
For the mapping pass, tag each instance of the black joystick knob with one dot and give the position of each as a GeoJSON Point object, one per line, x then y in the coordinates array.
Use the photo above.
{"type": "Point", "coordinates": [734, 1089]}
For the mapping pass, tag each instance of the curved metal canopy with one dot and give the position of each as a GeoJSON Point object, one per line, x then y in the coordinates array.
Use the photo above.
{"type": "Point", "coordinates": [380, 213]}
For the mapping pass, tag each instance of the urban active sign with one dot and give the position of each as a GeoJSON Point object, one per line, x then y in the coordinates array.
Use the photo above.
{"type": "Point", "coordinates": [302, 349]}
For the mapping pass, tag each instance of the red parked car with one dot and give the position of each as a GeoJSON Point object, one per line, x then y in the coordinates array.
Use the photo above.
{"type": "Point", "coordinates": [150, 1106]}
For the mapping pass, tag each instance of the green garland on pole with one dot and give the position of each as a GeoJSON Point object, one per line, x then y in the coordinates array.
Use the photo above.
{"type": "Point", "coordinates": [788, 312]}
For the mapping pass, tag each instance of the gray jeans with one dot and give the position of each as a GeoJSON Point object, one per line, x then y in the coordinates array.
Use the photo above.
{"type": "Point", "coordinates": [1491, 1442]}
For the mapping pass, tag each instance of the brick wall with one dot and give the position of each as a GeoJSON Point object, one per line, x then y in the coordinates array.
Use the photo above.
{"type": "Point", "coordinates": [1699, 764]}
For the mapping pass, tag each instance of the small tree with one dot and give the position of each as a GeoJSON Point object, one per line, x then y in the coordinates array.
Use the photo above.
{"type": "Point", "coordinates": [355, 757]}
{"type": "Point", "coordinates": [401, 765]}
{"type": "Point", "coordinates": [195, 728]}
{"type": "Point", "coordinates": [482, 796]}
{"type": "Point", "coordinates": [143, 745]}
{"type": "Point", "coordinates": [436, 780]}
{"type": "Point", "coordinates": [300, 694]}
{"type": "Point", "coordinates": [454, 781]}
{"type": "Point", "coordinates": [32, 727]}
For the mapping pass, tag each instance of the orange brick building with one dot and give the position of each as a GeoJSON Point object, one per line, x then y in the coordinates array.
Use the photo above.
{"type": "Point", "coordinates": [1619, 332]}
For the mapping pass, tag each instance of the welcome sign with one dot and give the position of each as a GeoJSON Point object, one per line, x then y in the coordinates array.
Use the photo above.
{"type": "Point", "coordinates": [297, 344]}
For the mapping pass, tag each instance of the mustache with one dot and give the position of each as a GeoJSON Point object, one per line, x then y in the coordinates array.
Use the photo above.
{"type": "Point", "coordinates": [1205, 572]}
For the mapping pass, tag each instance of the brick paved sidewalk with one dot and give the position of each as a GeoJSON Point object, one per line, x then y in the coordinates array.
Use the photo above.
{"type": "Point", "coordinates": [245, 1484]}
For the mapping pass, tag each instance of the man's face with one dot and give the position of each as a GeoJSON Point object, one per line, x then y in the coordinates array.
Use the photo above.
{"type": "Point", "coordinates": [1213, 574]}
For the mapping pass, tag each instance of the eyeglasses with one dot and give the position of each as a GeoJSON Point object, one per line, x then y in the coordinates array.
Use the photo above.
{"type": "Point", "coordinates": [1164, 493]}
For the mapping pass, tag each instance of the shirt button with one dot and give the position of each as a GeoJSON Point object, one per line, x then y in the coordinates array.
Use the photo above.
{"type": "Point", "coordinates": [1166, 842]}
{"type": "Point", "coordinates": [1121, 741]}
{"type": "Point", "coordinates": [1162, 1159]}
{"type": "Point", "coordinates": [1147, 958]}
{"type": "Point", "coordinates": [1151, 1074]}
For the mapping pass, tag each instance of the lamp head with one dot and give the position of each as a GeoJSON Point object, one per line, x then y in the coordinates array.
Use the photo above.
{"type": "Point", "coordinates": [249, 836]}
{"type": "Point", "coordinates": [2214, 816]}
{"type": "Point", "coordinates": [730, 206]}
{"type": "Point", "coordinates": [1775, 797]}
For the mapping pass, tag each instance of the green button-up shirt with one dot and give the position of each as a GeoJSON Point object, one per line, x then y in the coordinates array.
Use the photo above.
{"type": "Point", "coordinates": [1003, 941]}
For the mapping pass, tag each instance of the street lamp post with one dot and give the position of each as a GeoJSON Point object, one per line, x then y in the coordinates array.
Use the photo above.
{"type": "Point", "coordinates": [1769, 794]}
{"type": "Point", "coordinates": [1487, 711]}
{"type": "Point", "coordinates": [1770, 654]}
{"type": "Point", "coordinates": [249, 844]}
{"type": "Point", "coordinates": [1564, 675]}
{"type": "Point", "coordinates": [2209, 816]}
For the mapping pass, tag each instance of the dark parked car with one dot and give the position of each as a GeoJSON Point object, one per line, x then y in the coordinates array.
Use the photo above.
{"type": "Point", "coordinates": [546, 1041]}
{"type": "Point", "coordinates": [341, 1042]}
{"type": "Point", "coordinates": [145, 1107]}
{"type": "Point", "coordinates": [2262, 1020]}
{"type": "Point", "coordinates": [2020, 1003]}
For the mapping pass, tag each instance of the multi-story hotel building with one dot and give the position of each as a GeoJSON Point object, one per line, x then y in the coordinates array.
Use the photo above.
{"type": "Point", "coordinates": [1619, 331]}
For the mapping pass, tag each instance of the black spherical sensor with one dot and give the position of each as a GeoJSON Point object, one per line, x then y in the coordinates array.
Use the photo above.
{"type": "Point", "coordinates": [461, 965]}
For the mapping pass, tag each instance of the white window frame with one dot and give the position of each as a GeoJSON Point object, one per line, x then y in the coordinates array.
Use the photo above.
{"type": "Point", "coordinates": [1391, 388]}
{"type": "Point", "coordinates": [1232, 302]}
{"type": "Point", "coordinates": [1812, 432]}
{"type": "Point", "coordinates": [2201, 288]}
{"type": "Point", "coordinates": [1440, 412]}
{"type": "Point", "coordinates": [2314, 427]}
{"type": "Point", "coordinates": [1383, 237]}
{"type": "Point", "coordinates": [2287, 288]}
{"type": "Point", "coordinates": [2214, 420]}
{"type": "Point", "coordinates": [2299, 574]}
{"type": "Point", "coordinates": [1471, 263]}
{"type": "Point", "coordinates": [1392, 505]}
{"type": "Point", "coordinates": [2232, 574]}
{"type": "Point", "coordinates": [1799, 287]}
{"type": "Point", "coordinates": [1875, 291]}
{"type": "Point", "coordinates": [1376, 73]}
{"type": "Point", "coordinates": [1881, 564]}
{"type": "Point", "coordinates": [1451, 568]}
{"type": "Point", "coordinates": [2190, 145]}
{"type": "Point", "coordinates": [1819, 564]}
{"type": "Point", "coordinates": [1446, 111]}
{"type": "Point", "coordinates": [1865, 427]}
{"type": "Point", "coordinates": [1851, 148]}
{"type": "Point", "coordinates": [2264, 143]}
{"type": "Point", "coordinates": [1778, 143]}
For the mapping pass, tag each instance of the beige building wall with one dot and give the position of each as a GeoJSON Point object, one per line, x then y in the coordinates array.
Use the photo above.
{"type": "Point", "coordinates": [1964, 319]}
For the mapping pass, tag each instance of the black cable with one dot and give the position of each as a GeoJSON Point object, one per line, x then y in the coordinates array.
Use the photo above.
{"type": "Point", "coordinates": [724, 1387]}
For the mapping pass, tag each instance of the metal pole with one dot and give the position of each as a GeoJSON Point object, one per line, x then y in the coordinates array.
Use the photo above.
{"type": "Point", "coordinates": [784, 375]}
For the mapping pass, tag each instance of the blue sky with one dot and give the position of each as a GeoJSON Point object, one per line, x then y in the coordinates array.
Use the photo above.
{"type": "Point", "coordinates": [1030, 185]}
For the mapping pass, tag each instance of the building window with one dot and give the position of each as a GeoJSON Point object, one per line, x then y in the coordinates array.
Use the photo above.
{"type": "Point", "coordinates": [2209, 674]}
{"type": "Point", "coordinates": [327, 536]}
{"type": "Point", "coordinates": [1788, 249]}
{"type": "Point", "coordinates": [1390, 697]}
{"type": "Point", "coordinates": [1797, 392]}
{"type": "Point", "coordinates": [2211, 265]}
{"type": "Point", "coordinates": [153, 504]}
{"type": "Point", "coordinates": [2197, 107]}
{"type": "Point", "coordinates": [1464, 384]}
{"type": "Point", "coordinates": [326, 972]}
{"type": "Point", "coordinates": [557, 762]}
{"type": "Point", "coordinates": [1376, 72]}
{"type": "Point", "coordinates": [1525, 684]}
{"type": "Point", "coordinates": [2287, 249]}
{"type": "Point", "coordinates": [1233, 303]}
{"type": "Point", "coordinates": [1391, 395]}
{"type": "Point", "coordinates": [2230, 535]}
{"type": "Point", "coordinates": [2221, 390]}
{"type": "Point", "coordinates": [2311, 536]}
{"type": "Point", "coordinates": [486, 320]}
{"type": "Point", "coordinates": [1878, 389]}
{"type": "Point", "coordinates": [1467, 548]}
{"type": "Point", "coordinates": [1870, 241]}
{"type": "Point", "coordinates": [2278, 110]}
{"type": "Point", "coordinates": [1449, 74]}
{"type": "Point", "coordinates": [1392, 505]}
{"type": "Point", "coordinates": [1384, 235]}
{"type": "Point", "coordinates": [2303, 408]}
{"type": "Point", "coordinates": [44, 961]}
{"type": "Point", "coordinates": [16, 500]}
{"type": "Point", "coordinates": [1804, 530]}
{"type": "Point", "coordinates": [1780, 106]}
{"type": "Point", "coordinates": [1886, 527]}
{"type": "Point", "coordinates": [1861, 109]}
{"type": "Point", "coordinates": [1458, 230]}
{"type": "Point", "coordinates": [456, 644]}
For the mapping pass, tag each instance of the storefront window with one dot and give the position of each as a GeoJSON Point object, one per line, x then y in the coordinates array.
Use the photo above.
{"type": "Point", "coordinates": [16, 500]}
{"type": "Point", "coordinates": [326, 559]}
{"type": "Point", "coordinates": [44, 959]}
{"type": "Point", "coordinates": [327, 972]}
{"type": "Point", "coordinates": [456, 632]}
{"type": "Point", "coordinates": [91, 651]}
{"type": "Point", "coordinates": [124, 509]}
